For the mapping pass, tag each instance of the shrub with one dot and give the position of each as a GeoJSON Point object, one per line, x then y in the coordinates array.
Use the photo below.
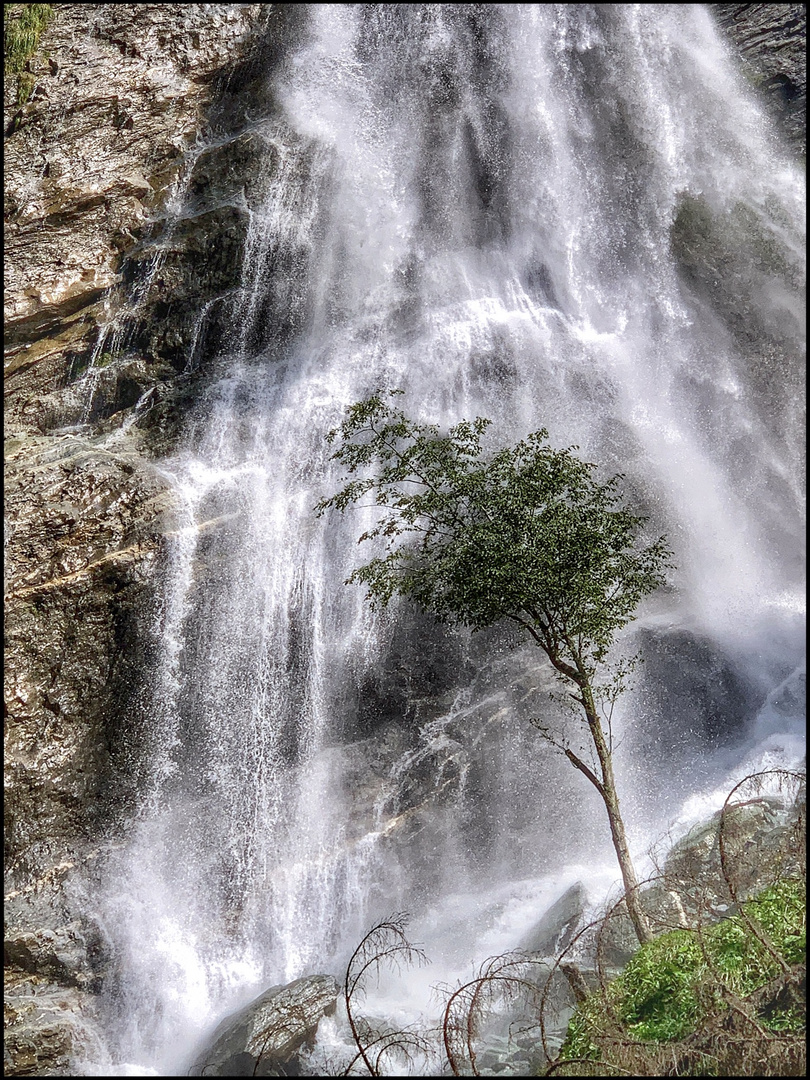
{"type": "Point", "coordinates": [683, 980]}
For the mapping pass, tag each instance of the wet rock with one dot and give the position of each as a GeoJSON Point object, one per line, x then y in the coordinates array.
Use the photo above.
{"type": "Point", "coordinates": [728, 262]}
{"type": "Point", "coordinates": [771, 40]}
{"type": "Point", "coordinates": [235, 171]}
{"type": "Point", "coordinates": [759, 848]}
{"type": "Point", "coordinates": [84, 530]}
{"type": "Point", "coordinates": [263, 1038]}
{"type": "Point", "coordinates": [184, 281]}
{"type": "Point", "coordinates": [60, 955]}
{"type": "Point", "coordinates": [701, 684]}
{"type": "Point", "coordinates": [47, 1028]}
{"type": "Point", "coordinates": [763, 839]}
{"type": "Point", "coordinates": [124, 91]}
{"type": "Point", "coordinates": [119, 92]}
{"type": "Point", "coordinates": [554, 930]}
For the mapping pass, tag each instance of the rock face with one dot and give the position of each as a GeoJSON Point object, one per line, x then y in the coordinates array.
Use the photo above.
{"type": "Point", "coordinates": [97, 129]}
{"type": "Point", "coordinates": [771, 39]}
{"type": "Point", "coordinates": [119, 91]}
{"type": "Point", "coordinates": [47, 1027]}
{"type": "Point", "coordinates": [84, 529]}
{"type": "Point", "coordinates": [263, 1038]}
{"type": "Point", "coordinates": [555, 929]}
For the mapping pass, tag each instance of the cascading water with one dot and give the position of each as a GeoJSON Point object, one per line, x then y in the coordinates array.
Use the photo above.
{"type": "Point", "coordinates": [499, 210]}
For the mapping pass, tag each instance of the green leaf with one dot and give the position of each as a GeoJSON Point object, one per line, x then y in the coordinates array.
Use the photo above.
{"type": "Point", "coordinates": [526, 532]}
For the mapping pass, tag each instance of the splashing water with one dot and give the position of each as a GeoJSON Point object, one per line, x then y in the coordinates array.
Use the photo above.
{"type": "Point", "coordinates": [499, 210]}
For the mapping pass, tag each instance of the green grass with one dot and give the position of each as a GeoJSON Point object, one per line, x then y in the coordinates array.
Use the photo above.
{"type": "Point", "coordinates": [672, 983]}
{"type": "Point", "coordinates": [22, 27]}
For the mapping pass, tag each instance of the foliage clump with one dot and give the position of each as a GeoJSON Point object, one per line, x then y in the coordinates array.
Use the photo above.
{"type": "Point", "coordinates": [22, 28]}
{"type": "Point", "coordinates": [686, 980]}
{"type": "Point", "coordinates": [528, 532]}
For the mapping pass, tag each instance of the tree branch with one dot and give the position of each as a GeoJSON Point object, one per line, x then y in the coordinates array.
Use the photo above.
{"type": "Point", "coordinates": [578, 763]}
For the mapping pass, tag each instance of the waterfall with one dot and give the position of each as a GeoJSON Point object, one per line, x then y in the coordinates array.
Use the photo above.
{"type": "Point", "coordinates": [568, 216]}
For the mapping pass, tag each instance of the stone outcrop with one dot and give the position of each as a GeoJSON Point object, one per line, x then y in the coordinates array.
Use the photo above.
{"type": "Point", "coordinates": [47, 1027]}
{"type": "Point", "coordinates": [84, 525]}
{"type": "Point", "coordinates": [771, 40]}
{"type": "Point", "coordinates": [263, 1038]}
{"type": "Point", "coordinates": [553, 932]}
{"type": "Point", "coordinates": [97, 130]}
{"type": "Point", "coordinates": [118, 93]}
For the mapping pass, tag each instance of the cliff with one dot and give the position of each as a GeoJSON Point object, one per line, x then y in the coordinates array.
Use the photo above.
{"type": "Point", "coordinates": [98, 124]}
{"type": "Point", "coordinates": [103, 305]}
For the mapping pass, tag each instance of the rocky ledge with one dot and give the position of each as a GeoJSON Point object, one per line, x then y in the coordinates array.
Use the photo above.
{"type": "Point", "coordinates": [97, 127]}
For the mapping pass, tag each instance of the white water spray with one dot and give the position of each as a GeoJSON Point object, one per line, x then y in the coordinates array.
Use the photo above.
{"type": "Point", "coordinates": [477, 206]}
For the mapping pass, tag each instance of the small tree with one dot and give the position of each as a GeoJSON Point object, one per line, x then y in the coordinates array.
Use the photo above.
{"type": "Point", "coordinates": [527, 534]}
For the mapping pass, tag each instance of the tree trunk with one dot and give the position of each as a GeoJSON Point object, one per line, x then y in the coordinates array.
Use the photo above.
{"type": "Point", "coordinates": [611, 800]}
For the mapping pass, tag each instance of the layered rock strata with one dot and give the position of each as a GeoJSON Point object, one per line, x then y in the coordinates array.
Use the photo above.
{"type": "Point", "coordinates": [97, 128]}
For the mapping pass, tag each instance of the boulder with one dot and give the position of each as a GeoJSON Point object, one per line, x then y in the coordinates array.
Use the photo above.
{"type": "Point", "coordinates": [552, 933]}
{"type": "Point", "coordinates": [263, 1039]}
{"type": "Point", "coordinates": [762, 838]}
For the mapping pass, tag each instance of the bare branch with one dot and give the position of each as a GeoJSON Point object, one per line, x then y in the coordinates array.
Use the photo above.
{"type": "Point", "coordinates": [385, 942]}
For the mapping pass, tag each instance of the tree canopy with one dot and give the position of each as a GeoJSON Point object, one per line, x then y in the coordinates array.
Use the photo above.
{"type": "Point", "coordinates": [527, 533]}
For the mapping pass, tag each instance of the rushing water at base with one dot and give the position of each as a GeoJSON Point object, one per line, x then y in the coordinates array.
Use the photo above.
{"type": "Point", "coordinates": [500, 211]}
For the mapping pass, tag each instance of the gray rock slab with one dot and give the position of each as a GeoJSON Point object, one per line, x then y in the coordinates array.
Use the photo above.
{"type": "Point", "coordinates": [555, 929]}
{"type": "Point", "coordinates": [263, 1038]}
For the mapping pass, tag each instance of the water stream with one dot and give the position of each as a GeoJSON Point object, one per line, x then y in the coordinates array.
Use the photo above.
{"type": "Point", "coordinates": [568, 216]}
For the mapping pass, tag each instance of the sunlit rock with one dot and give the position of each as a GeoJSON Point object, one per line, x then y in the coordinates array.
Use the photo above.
{"type": "Point", "coordinates": [263, 1038]}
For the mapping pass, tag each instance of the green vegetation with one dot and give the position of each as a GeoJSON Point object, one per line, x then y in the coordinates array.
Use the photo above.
{"type": "Point", "coordinates": [741, 959]}
{"type": "Point", "coordinates": [83, 362]}
{"type": "Point", "coordinates": [528, 534]}
{"type": "Point", "coordinates": [685, 979]}
{"type": "Point", "coordinates": [722, 998]}
{"type": "Point", "coordinates": [22, 28]}
{"type": "Point", "coordinates": [25, 86]}
{"type": "Point", "coordinates": [656, 992]}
